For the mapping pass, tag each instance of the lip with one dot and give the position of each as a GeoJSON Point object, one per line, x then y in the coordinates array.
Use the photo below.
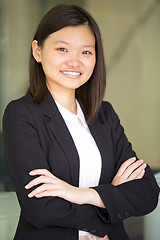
{"type": "Point", "coordinates": [71, 73]}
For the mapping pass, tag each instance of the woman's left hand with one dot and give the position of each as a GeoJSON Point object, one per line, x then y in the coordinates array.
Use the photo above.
{"type": "Point", "coordinates": [55, 187]}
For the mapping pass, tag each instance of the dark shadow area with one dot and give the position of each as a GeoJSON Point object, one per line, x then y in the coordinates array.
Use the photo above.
{"type": "Point", "coordinates": [5, 183]}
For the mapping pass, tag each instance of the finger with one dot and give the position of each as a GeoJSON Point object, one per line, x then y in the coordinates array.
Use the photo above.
{"type": "Point", "coordinates": [125, 165]}
{"type": "Point", "coordinates": [141, 174]}
{"type": "Point", "coordinates": [40, 172]}
{"type": "Point", "coordinates": [53, 193]}
{"type": "Point", "coordinates": [43, 194]}
{"type": "Point", "coordinates": [39, 180]}
{"type": "Point", "coordinates": [106, 238]}
{"type": "Point", "coordinates": [137, 172]}
{"type": "Point", "coordinates": [132, 168]}
{"type": "Point", "coordinates": [42, 188]}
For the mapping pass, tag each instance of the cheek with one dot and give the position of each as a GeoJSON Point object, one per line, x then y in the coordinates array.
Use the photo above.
{"type": "Point", "coordinates": [90, 66]}
{"type": "Point", "coordinates": [49, 63]}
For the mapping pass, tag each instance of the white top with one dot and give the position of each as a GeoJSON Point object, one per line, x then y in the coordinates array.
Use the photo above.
{"type": "Point", "coordinates": [89, 155]}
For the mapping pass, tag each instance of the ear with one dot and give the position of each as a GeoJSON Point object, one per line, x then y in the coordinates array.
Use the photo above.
{"type": "Point", "coordinates": [36, 51]}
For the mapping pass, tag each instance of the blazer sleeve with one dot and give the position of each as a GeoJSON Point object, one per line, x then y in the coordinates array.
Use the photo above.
{"type": "Point", "coordinates": [23, 153]}
{"type": "Point", "coordinates": [133, 198]}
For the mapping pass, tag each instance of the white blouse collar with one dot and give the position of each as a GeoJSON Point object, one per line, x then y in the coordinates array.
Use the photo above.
{"type": "Point", "coordinates": [71, 117]}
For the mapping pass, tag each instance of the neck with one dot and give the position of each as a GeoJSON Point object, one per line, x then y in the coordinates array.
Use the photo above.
{"type": "Point", "coordinates": [65, 98]}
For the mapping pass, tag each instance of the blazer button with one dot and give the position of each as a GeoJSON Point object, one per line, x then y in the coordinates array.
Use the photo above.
{"type": "Point", "coordinates": [119, 216]}
{"type": "Point", "coordinates": [126, 214]}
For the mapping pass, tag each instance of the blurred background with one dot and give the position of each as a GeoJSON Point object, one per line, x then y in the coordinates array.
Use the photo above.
{"type": "Point", "coordinates": [131, 36]}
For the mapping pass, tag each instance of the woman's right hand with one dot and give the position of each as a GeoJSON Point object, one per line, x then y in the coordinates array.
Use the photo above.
{"type": "Point", "coordinates": [129, 170]}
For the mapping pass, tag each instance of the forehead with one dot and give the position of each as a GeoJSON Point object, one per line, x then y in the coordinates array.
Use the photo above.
{"type": "Point", "coordinates": [80, 35]}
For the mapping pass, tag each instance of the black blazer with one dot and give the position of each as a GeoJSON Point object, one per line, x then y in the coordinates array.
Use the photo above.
{"type": "Point", "coordinates": [36, 136]}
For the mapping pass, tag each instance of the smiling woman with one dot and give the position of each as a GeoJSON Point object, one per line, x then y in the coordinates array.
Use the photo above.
{"type": "Point", "coordinates": [73, 168]}
{"type": "Point", "coordinates": [68, 60]}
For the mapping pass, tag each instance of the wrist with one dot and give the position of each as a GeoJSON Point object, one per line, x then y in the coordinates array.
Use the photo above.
{"type": "Point", "coordinates": [94, 198]}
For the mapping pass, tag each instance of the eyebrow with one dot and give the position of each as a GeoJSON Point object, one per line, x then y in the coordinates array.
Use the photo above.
{"type": "Point", "coordinates": [61, 41]}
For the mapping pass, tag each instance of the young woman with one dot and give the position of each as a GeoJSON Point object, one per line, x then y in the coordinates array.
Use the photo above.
{"type": "Point", "coordinates": [74, 171]}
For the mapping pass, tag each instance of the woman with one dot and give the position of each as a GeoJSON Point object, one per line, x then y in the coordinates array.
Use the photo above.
{"type": "Point", "coordinates": [74, 171]}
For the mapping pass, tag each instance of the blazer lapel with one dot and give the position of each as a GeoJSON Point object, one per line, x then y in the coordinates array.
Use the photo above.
{"type": "Point", "coordinates": [59, 129]}
{"type": "Point", "coordinates": [62, 134]}
{"type": "Point", "coordinates": [101, 134]}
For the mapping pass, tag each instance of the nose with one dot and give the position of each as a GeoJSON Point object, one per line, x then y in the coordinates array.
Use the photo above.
{"type": "Point", "coordinates": [74, 60]}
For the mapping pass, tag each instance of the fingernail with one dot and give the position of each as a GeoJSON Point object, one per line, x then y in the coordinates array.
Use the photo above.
{"type": "Point", "coordinates": [26, 187]}
{"type": "Point", "coordinates": [31, 173]}
{"type": "Point", "coordinates": [145, 165]}
{"type": "Point", "coordinates": [141, 160]}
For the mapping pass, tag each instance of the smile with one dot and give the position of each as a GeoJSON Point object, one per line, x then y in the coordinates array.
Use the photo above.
{"type": "Point", "coordinates": [71, 73]}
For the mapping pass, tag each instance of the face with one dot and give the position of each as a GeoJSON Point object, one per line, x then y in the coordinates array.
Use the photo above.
{"type": "Point", "coordinates": [67, 57]}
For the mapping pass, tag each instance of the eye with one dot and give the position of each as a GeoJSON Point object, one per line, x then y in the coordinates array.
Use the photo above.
{"type": "Point", "coordinates": [86, 52]}
{"type": "Point", "coordinates": [62, 49]}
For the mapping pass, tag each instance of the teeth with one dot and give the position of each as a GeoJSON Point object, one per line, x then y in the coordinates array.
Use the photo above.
{"type": "Point", "coordinates": [72, 73]}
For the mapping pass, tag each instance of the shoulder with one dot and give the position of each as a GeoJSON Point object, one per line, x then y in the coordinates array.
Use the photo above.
{"type": "Point", "coordinates": [22, 107]}
{"type": "Point", "coordinates": [108, 113]}
{"type": "Point", "coordinates": [106, 106]}
{"type": "Point", "coordinates": [20, 104]}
